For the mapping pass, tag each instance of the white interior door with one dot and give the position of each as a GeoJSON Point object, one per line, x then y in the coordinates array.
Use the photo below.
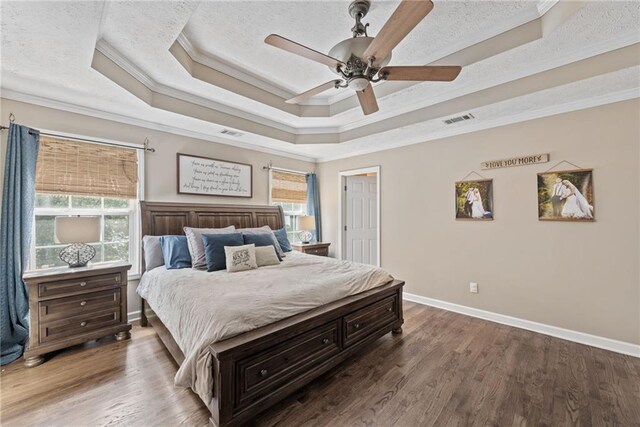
{"type": "Point", "coordinates": [361, 220]}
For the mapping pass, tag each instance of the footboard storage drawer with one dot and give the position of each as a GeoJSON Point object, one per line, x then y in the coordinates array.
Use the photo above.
{"type": "Point", "coordinates": [275, 367]}
{"type": "Point", "coordinates": [363, 322]}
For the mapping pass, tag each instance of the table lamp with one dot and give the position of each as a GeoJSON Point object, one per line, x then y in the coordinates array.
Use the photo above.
{"type": "Point", "coordinates": [77, 230]}
{"type": "Point", "coordinates": [305, 225]}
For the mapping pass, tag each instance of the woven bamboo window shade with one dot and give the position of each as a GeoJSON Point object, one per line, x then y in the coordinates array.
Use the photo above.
{"type": "Point", "coordinates": [80, 168]}
{"type": "Point", "coordinates": [288, 187]}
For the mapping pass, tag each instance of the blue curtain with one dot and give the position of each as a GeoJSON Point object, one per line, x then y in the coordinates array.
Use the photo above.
{"type": "Point", "coordinates": [18, 196]}
{"type": "Point", "coordinates": [313, 203]}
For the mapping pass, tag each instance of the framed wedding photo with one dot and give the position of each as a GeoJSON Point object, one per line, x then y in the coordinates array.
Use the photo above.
{"type": "Point", "coordinates": [213, 177]}
{"type": "Point", "coordinates": [566, 196]}
{"type": "Point", "coordinates": [474, 200]}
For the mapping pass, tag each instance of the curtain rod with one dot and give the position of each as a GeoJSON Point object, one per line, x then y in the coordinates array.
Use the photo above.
{"type": "Point", "coordinates": [145, 146]}
{"type": "Point", "coordinates": [271, 167]}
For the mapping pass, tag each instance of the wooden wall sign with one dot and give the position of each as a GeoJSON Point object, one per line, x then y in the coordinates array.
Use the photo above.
{"type": "Point", "coordinates": [213, 177]}
{"type": "Point", "coordinates": [516, 161]}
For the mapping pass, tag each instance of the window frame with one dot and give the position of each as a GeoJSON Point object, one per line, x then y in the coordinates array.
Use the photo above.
{"type": "Point", "coordinates": [135, 238]}
{"type": "Point", "coordinates": [292, 214]}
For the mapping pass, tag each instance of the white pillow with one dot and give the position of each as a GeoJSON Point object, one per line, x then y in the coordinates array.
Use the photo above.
{"type": "Point", "coordinates": [266, 255]}
{"type": "Point", "coordinates": [240, 258]}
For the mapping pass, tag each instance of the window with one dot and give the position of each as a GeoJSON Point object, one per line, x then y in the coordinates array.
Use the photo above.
{"type": "Point", "coordinates": [85, 179]}
{"type": "Point", "coordinates": [289, 190]}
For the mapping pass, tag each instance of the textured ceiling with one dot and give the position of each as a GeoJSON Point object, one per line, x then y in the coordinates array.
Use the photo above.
{"type": "Point", "coordinates": [53, 64]}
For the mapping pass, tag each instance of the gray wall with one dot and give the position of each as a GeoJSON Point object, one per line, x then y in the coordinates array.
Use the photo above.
{"type": "Point", "coordinates": [160, 167]}
{"type": "Point", "coordinates": [579, 276]}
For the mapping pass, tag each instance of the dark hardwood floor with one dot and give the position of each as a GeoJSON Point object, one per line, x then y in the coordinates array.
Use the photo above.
{"type": "Point", "coordinates": [446, 369]}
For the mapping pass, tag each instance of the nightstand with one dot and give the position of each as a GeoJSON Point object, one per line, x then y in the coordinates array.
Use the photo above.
{"type": "Point", "coordinates": [320, 249]}
{"type": "Point", "coordinates": [68, 306]}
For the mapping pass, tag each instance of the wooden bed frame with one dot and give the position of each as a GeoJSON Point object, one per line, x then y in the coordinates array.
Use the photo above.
{"type": "Point", "coordinates": [254, 370]}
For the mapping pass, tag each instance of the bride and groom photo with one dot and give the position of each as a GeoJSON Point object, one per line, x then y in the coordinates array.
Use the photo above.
{"type": "Point", "coordinates": [565, 196]}
{"type": "Point", "coordinates": [474, 200]}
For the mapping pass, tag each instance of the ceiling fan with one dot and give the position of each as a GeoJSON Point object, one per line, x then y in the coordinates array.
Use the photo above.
{"type": "Point", "coordinates": [361, 60]}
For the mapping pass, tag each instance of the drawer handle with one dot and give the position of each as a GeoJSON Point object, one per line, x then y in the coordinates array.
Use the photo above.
{"type": "Point", "coordinates": [389, 309]}
{"type": "Point", "coordinates": [83, 284]}
{"type": "Point", "coordinates": [263, 373]}
{"type": "Point", "coordinates": [83, 303]}
{"type": "Point", "coordinates": [356, 326]}
{"type": "Point", "coordinates": [325, 341]}
{"type": "Point", "coordinates": [83, 324]}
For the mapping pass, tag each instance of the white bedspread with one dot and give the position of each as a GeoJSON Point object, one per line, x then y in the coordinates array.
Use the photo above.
{"type": "Point", "coordinates": [200, 308]}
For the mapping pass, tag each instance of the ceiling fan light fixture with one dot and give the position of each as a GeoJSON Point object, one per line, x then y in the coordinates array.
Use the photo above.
{"type": "Point", "coordinates": [358, 83]}
{"type": "Point", "coordinates": [351, 51]}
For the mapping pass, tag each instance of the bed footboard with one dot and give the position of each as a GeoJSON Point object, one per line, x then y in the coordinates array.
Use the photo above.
{"type": "Point", "coordinates": [257, 369]}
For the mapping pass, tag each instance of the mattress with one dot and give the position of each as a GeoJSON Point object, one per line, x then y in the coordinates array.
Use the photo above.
{"type": "Point", "coordinates": [200, 308]}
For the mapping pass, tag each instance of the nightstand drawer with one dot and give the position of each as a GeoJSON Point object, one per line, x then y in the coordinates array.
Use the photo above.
{"type": "Point", "coordinates": [317, 251]}
{"type": "Point", "coordinates": [81, 285]}
{"type": "Point", "coordinates": [78, 325]}
{"type": "Point", "coordinates": [76, 305]}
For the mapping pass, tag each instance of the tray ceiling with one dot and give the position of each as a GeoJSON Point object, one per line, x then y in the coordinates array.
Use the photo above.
{"type": "Point", "coordinates": [203, 66]}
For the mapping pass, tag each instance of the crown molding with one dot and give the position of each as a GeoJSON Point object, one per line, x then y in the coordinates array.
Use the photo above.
{"type": "Point", "coordinates": [233, 70]}
{"type": "Point", "coordinates": [147, 124]}
{"type": "Point", "coordinates": [503, 121]}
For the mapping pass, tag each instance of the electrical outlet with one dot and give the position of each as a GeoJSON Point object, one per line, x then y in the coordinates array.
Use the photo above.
{"type": "Point", "coordinates": [473, 287]}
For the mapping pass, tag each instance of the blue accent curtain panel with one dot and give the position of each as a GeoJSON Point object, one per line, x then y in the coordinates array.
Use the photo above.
{"type": "Point", "coordinates": [18, 198]}
{"type": "Point", "coordinates": [313, 203]}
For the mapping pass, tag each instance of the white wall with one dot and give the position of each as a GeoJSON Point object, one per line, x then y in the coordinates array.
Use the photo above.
{"type": "Point", "coordinates": [580, 276]}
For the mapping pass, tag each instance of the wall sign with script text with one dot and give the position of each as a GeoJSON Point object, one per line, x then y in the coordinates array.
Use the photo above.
{"type": "Point", "coordinates": [213, 177]}
{"type": "Point", "coordinates": [516, 161]}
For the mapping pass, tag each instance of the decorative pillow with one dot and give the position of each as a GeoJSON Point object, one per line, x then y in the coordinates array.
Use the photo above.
{"type": "Point", "coordinates": [261, 239]}
{"type": "Point", "coordinates": [152, 252]}
{"type": "Point", "coordinates": [175, 252]}
{"type": "Point", "coordinates": [240, 258]}
{"type": "Point", "coordinates": [266, 255]}
{"type": "Point", "coordinates": [214, 248]}
{"type": "Point", "coordinates": [196, 247]}
{"type": "Point", "coordinates": [261, 230]}
{"type": "Point", "coordinates": [283, 240]}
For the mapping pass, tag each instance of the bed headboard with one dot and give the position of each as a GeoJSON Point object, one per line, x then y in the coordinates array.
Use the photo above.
{"type": "Point", "coordinates": [161, 218]}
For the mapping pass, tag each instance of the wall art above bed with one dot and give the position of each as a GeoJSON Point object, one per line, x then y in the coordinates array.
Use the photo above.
{"type": "Point", "coordinates": [213, 177]}
{"type": "Point", "coordinates": [474, 199]}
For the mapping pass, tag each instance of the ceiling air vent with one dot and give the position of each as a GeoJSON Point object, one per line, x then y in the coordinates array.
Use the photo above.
{"type": "Point", "coordinates": [457, 119]}
{"type": "Point", "coordinates": [231, 133]}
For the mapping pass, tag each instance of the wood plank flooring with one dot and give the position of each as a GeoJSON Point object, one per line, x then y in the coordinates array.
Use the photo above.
{"type": "Point", "coordinates": [446, 369]}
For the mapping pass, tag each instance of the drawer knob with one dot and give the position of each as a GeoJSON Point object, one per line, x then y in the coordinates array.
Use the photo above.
{"type": "Point", "coordinates": [356, 326]}
{"type": "Point", "coordinates": [83, 303]}
{"type": "Point", "coordinates": [389, 309]}
{"type": "Point", "coordinates": [83, 323]}
{"type": "Point", "coordinates": [263, 373]}
{"type": "Point", "coordinates": [83, 284]}
{"type": "Point", "coordinates": [325, 341]}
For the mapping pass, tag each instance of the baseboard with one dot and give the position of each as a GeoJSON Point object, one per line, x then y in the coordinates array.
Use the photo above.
{"type": "Point", "coordinates": [133, 316]}
{"type": "Point", "coordinates": [554, 331]}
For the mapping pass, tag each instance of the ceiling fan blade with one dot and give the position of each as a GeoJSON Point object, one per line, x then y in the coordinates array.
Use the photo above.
{"type": "Point", "coordinates": [311, 92]}
{"type": "Point", "coordinates": [298, 49]}
{"type": "Point", "coordinates": [427, 73]}
{"type": "Point", "coordinates": [367, 100]}
{"type": "Point", "coordinates": [406, 16]}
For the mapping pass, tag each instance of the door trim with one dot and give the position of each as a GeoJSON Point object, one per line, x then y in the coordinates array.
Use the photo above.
{"type": "Point", "coordinates": [342, 205]}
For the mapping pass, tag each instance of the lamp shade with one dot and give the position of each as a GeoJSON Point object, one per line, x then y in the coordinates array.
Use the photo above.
{"type": "Point", "coordinates": [77, 229]}
{"type": "Point", "coordinates": [306, 223]}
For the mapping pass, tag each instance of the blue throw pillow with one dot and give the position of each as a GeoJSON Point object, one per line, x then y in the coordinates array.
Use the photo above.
{"type": "Point", "coordinates": [214, 248]}
{"type": "Point", "coordinates": [281, 235]}
{"type": "Point", "coordinates": [261, 239]}
{"type": "Point", "coordinates": [175, 252]}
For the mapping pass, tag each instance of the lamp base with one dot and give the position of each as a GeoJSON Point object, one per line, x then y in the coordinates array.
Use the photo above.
{"type": "Point", "coordinates": [305, 237]}
{"type": "Point", "coordinates": [77, 254]}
